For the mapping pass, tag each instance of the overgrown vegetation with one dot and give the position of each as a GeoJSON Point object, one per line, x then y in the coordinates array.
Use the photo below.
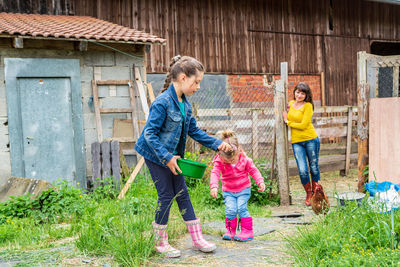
{"type": "Point", "coordinates": [99, 224]}
{"type": "Point", "coordinates": [349, 236]}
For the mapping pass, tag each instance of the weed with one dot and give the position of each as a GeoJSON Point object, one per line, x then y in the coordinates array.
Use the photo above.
{"type": "Point", "coordinates": [348, 236]}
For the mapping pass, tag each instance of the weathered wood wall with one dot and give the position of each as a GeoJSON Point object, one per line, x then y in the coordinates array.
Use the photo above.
{"type": "Point", "coordinates": [253, 36]}
{"type": "Point", "coordinates": [53, 7]}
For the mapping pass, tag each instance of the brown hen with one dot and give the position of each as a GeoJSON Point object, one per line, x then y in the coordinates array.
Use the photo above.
{"type": "Point", "coordinates": [319, 201]}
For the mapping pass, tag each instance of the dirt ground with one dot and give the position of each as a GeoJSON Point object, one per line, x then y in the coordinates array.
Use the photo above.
{"type": "Point", "coordinates": [267, 249]}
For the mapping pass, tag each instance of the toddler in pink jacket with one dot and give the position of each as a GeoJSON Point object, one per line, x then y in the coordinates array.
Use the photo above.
{"type": "Point", "coordinates": [234, 168]}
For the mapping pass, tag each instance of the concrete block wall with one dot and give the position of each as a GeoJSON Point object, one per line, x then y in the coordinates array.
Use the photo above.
{"type": "Point", "coordinates": [98, 65]}
{"type": "Point", "coordinates": [5, 163]}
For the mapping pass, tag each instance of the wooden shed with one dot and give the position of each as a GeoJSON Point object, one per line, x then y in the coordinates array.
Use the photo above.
{"type": "Point", "coordinates": [48, 66]}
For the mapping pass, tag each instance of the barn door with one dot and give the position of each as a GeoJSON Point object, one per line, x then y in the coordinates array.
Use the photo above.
{"type": "Point", "coordinates": [381, 74]}
{"type": "Point", "coordinates": [45, 121]}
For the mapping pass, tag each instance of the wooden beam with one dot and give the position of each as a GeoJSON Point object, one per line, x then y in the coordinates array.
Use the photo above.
{"type": "Point", "coordinates": [281, 143]}
{"type": "Point", "coordinates": [151, 92]}
{"type": "Point", "coordinates": [254, 134]}
{"type": "Point", "coordinates": [348, 141]}
{"type": "Point", "coordinates": [362, 132]}
{"type": "Point", "coordinates": [131, 178]}
{"type": "Point", "coordinates": [115, 110]}
{"type": "Point", "coordinates": [96, 104]}
{"type": "Point", "coordinates": [83, 45]}
{"type": "Point", "coordinates": [18, 42]}
{"type": "Point", "coordinates": [142, 93]}
{"type": "Point", "coordinates": [113, 82]}
{"type": "Point", "coordinates": [322, 88]}
{"type": "Point", "coordinates": [132, 99]}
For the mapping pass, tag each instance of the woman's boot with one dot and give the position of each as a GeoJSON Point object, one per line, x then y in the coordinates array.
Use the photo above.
{"type": "Point", "coordinates": [162, 245]}
{"type": "Point", "coordinates": [198, 241]}
{"type": "Point", "coordinates": [307, 187]}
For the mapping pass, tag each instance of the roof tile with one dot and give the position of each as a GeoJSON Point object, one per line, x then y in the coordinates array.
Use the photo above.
{"type": "Point", "coordinates": [76, 27]}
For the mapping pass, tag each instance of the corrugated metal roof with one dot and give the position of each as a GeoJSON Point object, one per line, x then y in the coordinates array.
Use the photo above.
{"type": "Point", "coordinates": [75, 27]}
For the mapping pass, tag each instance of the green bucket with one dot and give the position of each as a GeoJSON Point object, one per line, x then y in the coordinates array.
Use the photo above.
{"type": "Point", "coordinates": [191, 168]}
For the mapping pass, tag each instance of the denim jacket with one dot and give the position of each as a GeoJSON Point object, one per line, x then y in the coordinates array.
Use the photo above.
{"type": "Point", "coordinates": [162, 131]}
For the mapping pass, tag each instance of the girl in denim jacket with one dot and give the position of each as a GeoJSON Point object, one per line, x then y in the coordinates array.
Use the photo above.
{"type": "Point", "coordinates": [163, 141]}
{"type": "Point", "coordinates": [234, 168]}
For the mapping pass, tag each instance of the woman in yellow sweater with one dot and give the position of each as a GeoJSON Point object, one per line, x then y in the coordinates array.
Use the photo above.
{"type": "Point", "coordinates": [304, 138]}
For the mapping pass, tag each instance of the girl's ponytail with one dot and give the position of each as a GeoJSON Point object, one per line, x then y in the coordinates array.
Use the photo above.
{"type": "Point", "coordinates": [168, 79]}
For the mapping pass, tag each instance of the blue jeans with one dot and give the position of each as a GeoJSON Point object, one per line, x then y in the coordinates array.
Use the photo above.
{"type": "Point", "coordinates": [170, 186]}
{"type": "Point", "coordinates": [236, 203]}
{"type": "Point", "coordinates": [303, 151]}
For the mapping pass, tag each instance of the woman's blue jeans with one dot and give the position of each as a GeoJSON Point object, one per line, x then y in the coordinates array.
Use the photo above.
{"type": "Point", "coordinates": [307, 151]}
{"type": "Point", "coordinates": [236, 203]}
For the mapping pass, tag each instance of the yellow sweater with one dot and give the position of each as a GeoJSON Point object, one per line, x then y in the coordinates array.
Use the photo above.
{"type": "Point", "coordinates": [299, 120]}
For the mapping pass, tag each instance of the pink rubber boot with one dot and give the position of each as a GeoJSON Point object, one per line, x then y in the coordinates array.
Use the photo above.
{"type": "Point", "coordinates": [231, 227]}
{"type": "Point", "coordinates": [161, 239]}
{"type": "Point", "coordinates": [246, 224]}
{"type": "Point", "coordinates": [198, 241]}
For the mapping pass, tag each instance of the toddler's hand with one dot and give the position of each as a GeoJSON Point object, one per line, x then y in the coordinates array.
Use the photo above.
{"type": "Point", "coordinates": [261, 187]}
{"type": "Point", "coordinates": [214, 192]}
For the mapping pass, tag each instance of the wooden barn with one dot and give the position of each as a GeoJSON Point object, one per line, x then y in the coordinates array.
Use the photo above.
{"type": "Point", "coordinates": [318, 38]}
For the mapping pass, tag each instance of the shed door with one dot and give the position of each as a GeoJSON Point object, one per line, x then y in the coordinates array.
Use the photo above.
{"type": "Point", "coordinates": [47, 133]}
{"type": "Point", "coordinates": [45, 119]}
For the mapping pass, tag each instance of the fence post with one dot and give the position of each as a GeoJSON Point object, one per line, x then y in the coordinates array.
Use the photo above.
{"type": "Point", "coordinates": [281, 143]}
{"type": "Point", "coordinates": [254, 133]}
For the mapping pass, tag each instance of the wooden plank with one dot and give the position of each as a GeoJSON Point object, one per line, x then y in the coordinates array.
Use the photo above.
{"type": "Point", "coordinates": [384, 145]}
{"type": "Point", "coordinates": [322, 88]}
{"type": "Point", "coordinates": [131, 178]}
{"type": "Point", "coordinates": [134, 117]}
{"type": "Point", "coordinates": [362, 132]}
{"type": "Point", "coordinates": [97, 111]}
{"type": "Point", "coordinates": [348, 141]}
{"type": "Point", "coordinates": [115, 110]}
{"type": "Point", "coordinates": [116, 164]}
{"type": "Point", "coordinates": [142, 94]}
{"type": "Point", "coordinates": [282, 153]}
{"type": "Point", "coordinates": [267, 110]}
{"type": "Point", "coordinates": [96, 164]}
{"type": "Point", "coordinates": [151, 92]}
{"type": "Point", "coordinates": [112, 82]}
{"type": "Point", "coordinates": [254, 134]}
{"type": "Point", "coordinates": [105, 159]}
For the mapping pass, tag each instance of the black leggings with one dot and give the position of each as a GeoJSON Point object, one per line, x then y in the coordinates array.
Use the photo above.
{"type": "Point", "coordinates": [170, 186]}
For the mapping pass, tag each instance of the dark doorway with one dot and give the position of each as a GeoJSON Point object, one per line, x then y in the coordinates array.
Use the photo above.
{"type": "Point", "coordinates": [385, 48]}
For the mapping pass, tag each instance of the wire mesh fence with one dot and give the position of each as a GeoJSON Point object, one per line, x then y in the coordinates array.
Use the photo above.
{"type": "Point", "coordinates": [249, 111]}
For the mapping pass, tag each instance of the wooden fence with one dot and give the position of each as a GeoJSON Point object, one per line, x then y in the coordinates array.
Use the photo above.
{"type": "Point", "coordinates": [255, 130]}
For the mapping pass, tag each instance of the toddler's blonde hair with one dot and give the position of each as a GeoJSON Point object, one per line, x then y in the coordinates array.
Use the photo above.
{"type": "Point", "coordinates": [229, 136]}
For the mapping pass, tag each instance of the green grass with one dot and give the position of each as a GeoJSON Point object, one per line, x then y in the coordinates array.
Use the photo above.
{"type": "Point", "coordinates": [349, 236]}
{"type": "Point", "coordinates": [70, 224]}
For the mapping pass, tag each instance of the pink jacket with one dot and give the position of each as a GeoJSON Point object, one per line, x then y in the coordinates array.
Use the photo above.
{"type": "Point", "coordinates": [234, 179]}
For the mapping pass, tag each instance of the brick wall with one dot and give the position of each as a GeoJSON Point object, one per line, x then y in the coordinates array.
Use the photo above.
{"type": "Point", "coordinates": [257, 88]}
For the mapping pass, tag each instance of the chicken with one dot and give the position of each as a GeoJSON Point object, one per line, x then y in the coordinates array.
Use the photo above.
{"type": "Point", "coordinates": [319, 201]}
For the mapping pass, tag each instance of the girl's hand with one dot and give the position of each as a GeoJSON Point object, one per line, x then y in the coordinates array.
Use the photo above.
{"type": "Point", "coordinates": [284, 115]}
{"type": "Point", "coordinates": [173, 165]}
{"type": "Point", "coordinates": [261, 187]}
{"type": "Point", "coordinates": [224, 147]}
{"type": "Point", "coordinates": [214, 192]}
